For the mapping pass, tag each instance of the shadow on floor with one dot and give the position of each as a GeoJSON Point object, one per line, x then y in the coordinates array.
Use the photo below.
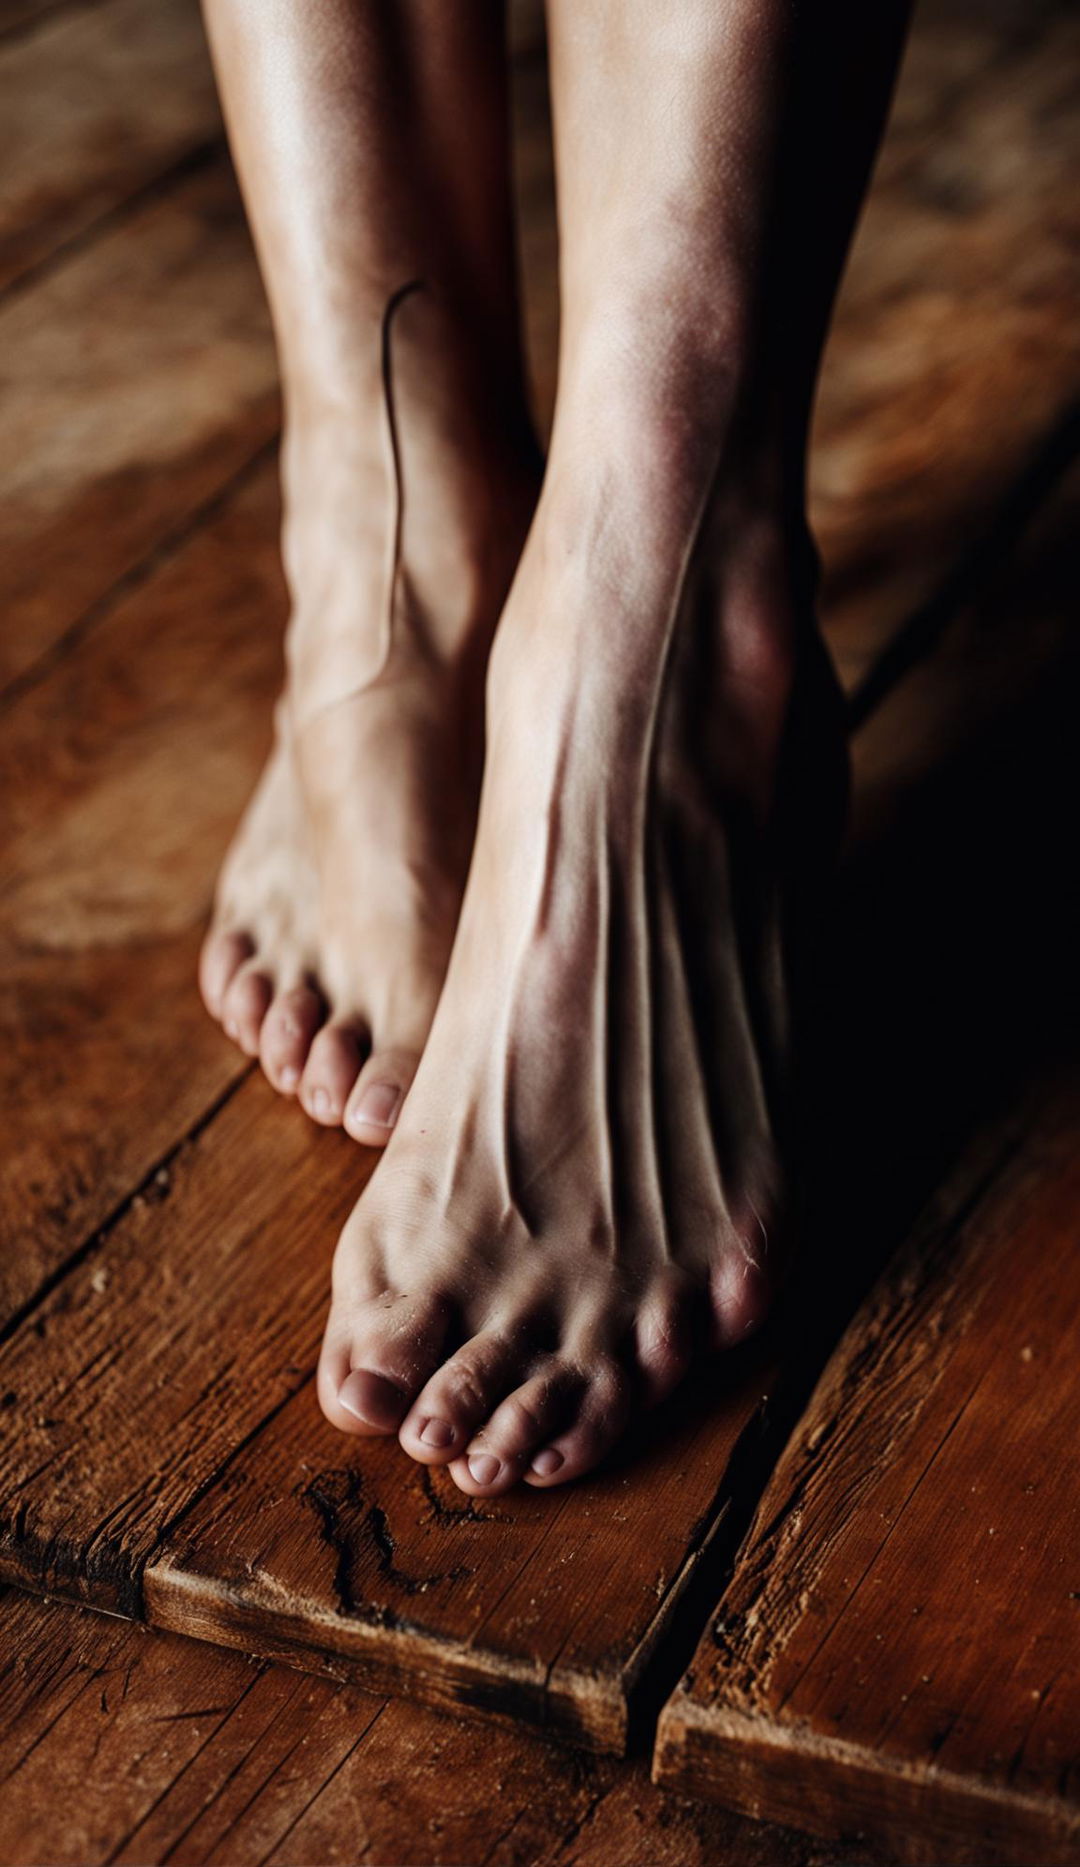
{"type": "Point", "coordinates": [946, 990]}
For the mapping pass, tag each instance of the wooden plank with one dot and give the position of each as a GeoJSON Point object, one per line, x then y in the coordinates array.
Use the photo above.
{"type": "Point", "coordinates": [380, 1569]}
{"type": "Point", "coordinates": [115, 1357]}
{"type": "Point", "coordinates": [115, 815]}
{"type": "Point", "coordinates": [22, 16]}
{"type": "Point", "coordinates": [900, 1644]}
{"type": "Point", "coordinates": [296, 1541]}
{"type": "Point", "coordinates": [99, 104]}
{"type": "Point", "coordinates": [888, 1652]}
{"type": "Point", "coordinates": [956, 340]}
{"type": "Point", "coordinates": [121, 1745]}
{"type": "Point", "coordinates": [522, 1610]}
{"type": "Point", "coordinates": [958, 901]}
{"type": "Point", "coordinates": [135, 382]}
{"type": "Point", "coordinates": [348, 1553]}
{"type": "Point", "coordinates": [119, 802]}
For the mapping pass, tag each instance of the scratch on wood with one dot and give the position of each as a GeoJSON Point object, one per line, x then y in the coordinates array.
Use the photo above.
{"type": "Point", "coordinates": [350, 1526]}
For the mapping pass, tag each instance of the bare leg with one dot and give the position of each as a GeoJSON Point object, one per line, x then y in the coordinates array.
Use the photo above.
{"type": "Point", "coordinates": [590, 1175]}
{"type": "Point", "coordinates": [371, 144]}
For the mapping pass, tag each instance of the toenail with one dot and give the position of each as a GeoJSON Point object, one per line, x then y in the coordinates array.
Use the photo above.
{"type": "Point", "coordinates": [378, 1105]}
{"type": "Point", "coordinates": [484, 1467]}
{"type": "Point", "coordinates": [547, 1462]}
{"type": "Point", "coordinates": [372, 1399]}
{"type": "Point", "coordinates": [289, 1078]}
{"type": "Point", "coordinates": [320, 1102]}
{"type": "Point", "coordinates": [436, 1433]}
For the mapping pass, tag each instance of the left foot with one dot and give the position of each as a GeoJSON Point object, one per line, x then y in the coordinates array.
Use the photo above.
{"type": "Point", "coordinates": [589, 1178]}
{"type": "Point", "coordinates": [406, 504]}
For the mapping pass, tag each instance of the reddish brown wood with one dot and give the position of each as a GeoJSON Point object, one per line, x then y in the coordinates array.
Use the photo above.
{"type": "Point", "coordinates": [163, 1452]}
{"type": "Point", "coordinates": [118, 1744]}
{"type": "Point", "coordinates": [137, 381]}
{"type": "Point", "coordinates": [123, 1355]}
{"type": "Point", "coordinates": [560, 1616]}
{"type": "Point", "coordinates": [122, 775]}
{"type": "Point", "coordinates": [99, 103]}
{"type": "Point", "coordinates": [900, 1646]}
{"type": "Point", "coordinates": [956, 340]}
{"type": "Point", "coordinates": [19, 16]}
{"type": "Point", "coordinates": [538, 1610]}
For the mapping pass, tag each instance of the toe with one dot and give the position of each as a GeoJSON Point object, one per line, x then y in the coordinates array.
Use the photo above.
{"type": "Point", "coordinates": [461, 1396]}
{"type": "Point", "coordinates": [741, 1293]}
{"type": "Point", "coordinates": [520, 1426]}
{"type": "Point", "coordinates": [332, 1068]}
{"type": "Point", "coordinates": [285, 1038]}
{"type": "Point", "coordinates": [664, 1340]}
{"type": "Point", "coordinates": [378, 1094]}
{"type": "Point", "coordinates": [600, 1419]}
{"type": "Point", "coordinates": [245, 1006]}
{"type": "Point", "coordinates": [221, 958]}
{"type": "Point", "coordinates": [376, 1356]}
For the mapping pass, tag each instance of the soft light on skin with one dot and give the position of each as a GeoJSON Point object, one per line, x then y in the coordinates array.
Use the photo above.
{"type": "Point", "coordinates": [578, 1060]}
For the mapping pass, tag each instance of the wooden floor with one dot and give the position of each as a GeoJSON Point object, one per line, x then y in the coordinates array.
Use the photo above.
{"type": "Point", "coordinates": [866, 1523]}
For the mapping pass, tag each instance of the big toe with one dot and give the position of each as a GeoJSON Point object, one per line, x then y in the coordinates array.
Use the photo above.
{"type": "Point", "coordinates": [220, 960]}
{"type": "Point", "coordinates": [245, 1005]}
{"type": "Point", "coordinates": [376, 1357]}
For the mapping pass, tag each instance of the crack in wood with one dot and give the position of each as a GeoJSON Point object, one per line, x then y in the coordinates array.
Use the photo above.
{"type": "Point", "coordinates": [352, 1527]}
{"type": "Point", "coordinates": [468, 1511]}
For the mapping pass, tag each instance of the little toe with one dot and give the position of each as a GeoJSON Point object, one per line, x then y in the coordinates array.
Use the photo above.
{"type": "Point", "coordinates": [285, 1038]}
{"type": "Point", "coordinates": [376, 1358]}
{"type": "Point", "coordinates": [332, 1068]}
{"type": "Point", "coordinates": [245, 1006]}
{"type": "Point", "coordinates": [519, 1427]}
{"type": "Point", "coordinates": [460, 1396]}
{"type": "Point", "coordinates": [741, 1293]}
{"type": "Point", "coordinates": [220, 960]}
{"type": "Point", "coordinates": [378, 1093]}
{"type": "Point", "coordinates": [600, 1419]}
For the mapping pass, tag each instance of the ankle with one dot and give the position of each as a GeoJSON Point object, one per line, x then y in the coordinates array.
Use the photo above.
{"type": "Point", "coordinates": [396, 557]}
{"type": "Point", "coordinates": [630, 564]}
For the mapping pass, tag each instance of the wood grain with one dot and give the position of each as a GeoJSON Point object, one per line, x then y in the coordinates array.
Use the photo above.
{"type": "Point", "coordinates": [808, 1687]}
{"type": "Point", "coordinates": [560, 1610]}
{"type": "Point", "coordinates": [161, 1453]}
{"type": "Point", "coordinates": [121, 1745]}
{"type": "Point", "coordinates": [136, 381]}
{"type": "Point", "coordinates": [122, 775]}
{"type": "Point", "coordinates": [956, 340]}
{"type": "Point", "coordinates": [120, 1357]}
{"type": "Point", "coordinates": [900, 1644]}
{"type": "Point", "coordinates": [99, 104]}
{"type": "Point", "coordinates": [380, 1570]}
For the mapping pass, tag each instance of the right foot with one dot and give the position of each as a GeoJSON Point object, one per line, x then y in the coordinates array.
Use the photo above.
{"type": "Point", "coordinates": [337, 902]}
{"type": "Point", "coordinates": [590, 1176]}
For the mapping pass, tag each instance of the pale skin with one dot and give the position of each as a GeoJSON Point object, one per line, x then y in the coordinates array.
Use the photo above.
{"type": "Point", "coordinates": [559, 998]}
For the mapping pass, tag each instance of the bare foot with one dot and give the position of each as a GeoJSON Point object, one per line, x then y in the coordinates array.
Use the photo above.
{"type": "Point", "coordinates": [337, 903]}
{"type": "Point", "coordinates": [589, 1177]}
